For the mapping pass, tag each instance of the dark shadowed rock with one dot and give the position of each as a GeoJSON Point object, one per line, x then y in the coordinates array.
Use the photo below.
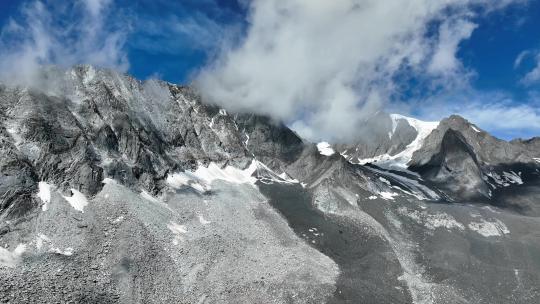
{"type": "Point", "coordinates": [18, 180]}
{"type": "Point", "coordinates": [466, 161]}
{"type": "Point", "coordinates": [454, 168]}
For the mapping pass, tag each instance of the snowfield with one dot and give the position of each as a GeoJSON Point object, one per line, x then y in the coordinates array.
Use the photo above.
{"type": "Point", "coordinates": [44, 195]}
{"type": "Point", "coordinates": [325, 149]}
{"type": "Point", "coordinates": [401, 159]}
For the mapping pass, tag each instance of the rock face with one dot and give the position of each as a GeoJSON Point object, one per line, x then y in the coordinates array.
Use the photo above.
{"type": "Point", "coordinates": [488, 149]}
{"type": "Point", "coordinates": [532, 146]}
{"type": "Point", "coordinates": [454, 167]}
{"type": "Point", "coordinates": [470, 163]}
{"type": "Point", "coordinates": [100, 123]}
{"type": "Point", "coordinates": [275, 145]}
{"type": "Point", "coordinates": [18, 181]}
{"type": "Point", "coordinates": [114, 190]}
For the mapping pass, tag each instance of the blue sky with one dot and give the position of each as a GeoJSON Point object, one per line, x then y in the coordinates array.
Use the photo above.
{"type": "Point", "coordinates": [154, 47]}
{"type": "Point", "coordinates": [497, 42]}
{"type": "Point", "coordinates": [169, 53]}
{"type": "Point", "coordinates": [474, 57]}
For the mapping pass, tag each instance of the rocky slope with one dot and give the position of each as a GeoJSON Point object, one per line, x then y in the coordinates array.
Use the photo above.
{"type": "Point", "coordinates": [122, 191]}
{"type": "Point", "coordinates": [470, 164]}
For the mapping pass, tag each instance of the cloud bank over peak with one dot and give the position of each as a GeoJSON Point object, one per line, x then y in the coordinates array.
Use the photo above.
{"type": "Point", "coordinates": [61, 33]}
{"type": "Point", "coordinates": [324, 66]}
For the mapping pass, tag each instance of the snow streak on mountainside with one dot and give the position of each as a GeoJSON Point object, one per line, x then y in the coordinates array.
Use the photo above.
{"type": "Point", "coordinates": [114, 190]}
{"type": "Point", "coordinates": [402, 158]}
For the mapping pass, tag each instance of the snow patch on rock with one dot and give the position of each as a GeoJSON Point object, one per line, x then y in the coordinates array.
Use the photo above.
{"type": "Point", "coordinates": [108, 181]}
{"type": "Point", "coordinates": [229, 174]}
{"type": "Point", "coordinates": [384, 180]}
{"type": "Point", "coordinates": [387, 195]}
{"type": "Point", "coordinates": [118, 219]}
{"type": "Point", "coordinates": [203, 221]}
{"type": "Point", "coordinates": [513, 177]}
{"type": "Point", "coordinates": [42, 239]}
{"type": "Point", "coordinates": [11, 258]}
{"type": "Point", "coordinates": [285, 177]}
{"type": "Point", "coordinates": [432, 221]}
{"type": "Point", "coordinates": [44, 194]}
{"type": "Point", "coordinates": [77, 200]}
{"type": "Point", "coordinates": [187, 179]}
{"type": "Point", "coordinates": [178, 231]}
{"type": "Point", "coordinates": [325, 149]}
{"type": "Point", "coordinates": [489, 228]}
{"type": "Point", "coordinates": [149, 197]}
{"type": "Point", "coordinates": [400, 160]}
{"type": "Point", "coordinates": [67, 252]}
{"type": "Point", "coordinates": [176, 228]}
{"type": "Point", "coordinates": [267, 176]}
{"type": "Point", "coordinates": [15, 134]}
{"type": "Point", "coordinates": [202, 178]}
{"type": "Point", "coordinates": [417, 190]}
{"type": "Point", "coordinates": [504, 180]}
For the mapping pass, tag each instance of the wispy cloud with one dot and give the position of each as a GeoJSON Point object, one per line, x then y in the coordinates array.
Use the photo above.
{"type": "Point", "coordinates": [171, 34]}
{"type": "Point", "coordinates": [495, 112]}
{"type": "Point", "coordinates": [64, 34]}
{"type": "Point", "coordinates": [451, 33]}
{"type": "Point", "coordinates": [533, 75]}
{"type": "Point", "coordinates": [178, 27]}
{"type": "Point", "coordinates": [323, 66]}
{"type": "Point", "coordinates": [520, 57]}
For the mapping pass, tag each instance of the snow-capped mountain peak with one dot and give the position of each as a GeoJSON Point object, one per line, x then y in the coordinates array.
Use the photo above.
{"type": "Point", "coordinates": [405, 136]}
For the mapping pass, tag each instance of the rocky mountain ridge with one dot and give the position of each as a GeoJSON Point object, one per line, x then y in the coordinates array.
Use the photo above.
{"type": "Point", "coordinates": [115, 126]}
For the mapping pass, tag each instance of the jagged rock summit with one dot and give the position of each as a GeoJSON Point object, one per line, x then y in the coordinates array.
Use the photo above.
{"type": "Point", "coordinates": [115, 190]}
{"type": "Point", "coordinates": [83, 125]}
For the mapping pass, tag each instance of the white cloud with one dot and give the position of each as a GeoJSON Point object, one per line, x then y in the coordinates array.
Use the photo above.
{"type": "Point", "coordinates": [520, 57]}
{"type": "Point", "coordinates": [504, 116]}
{"type": "Point", "coordinates": [495, 112]}
{"type": "Point", "coordinates": [451, 33]}
{"type": "Point", "coordinates": [533, 76]}
{"type": "Point", "coordinates": [323, 66]}
{"type": "Point", "coordinates": [173, 34]}
{"type": "Point", "coordinates": [61, 33]}
{"type": "Point", "coordinates": [95, 7]}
